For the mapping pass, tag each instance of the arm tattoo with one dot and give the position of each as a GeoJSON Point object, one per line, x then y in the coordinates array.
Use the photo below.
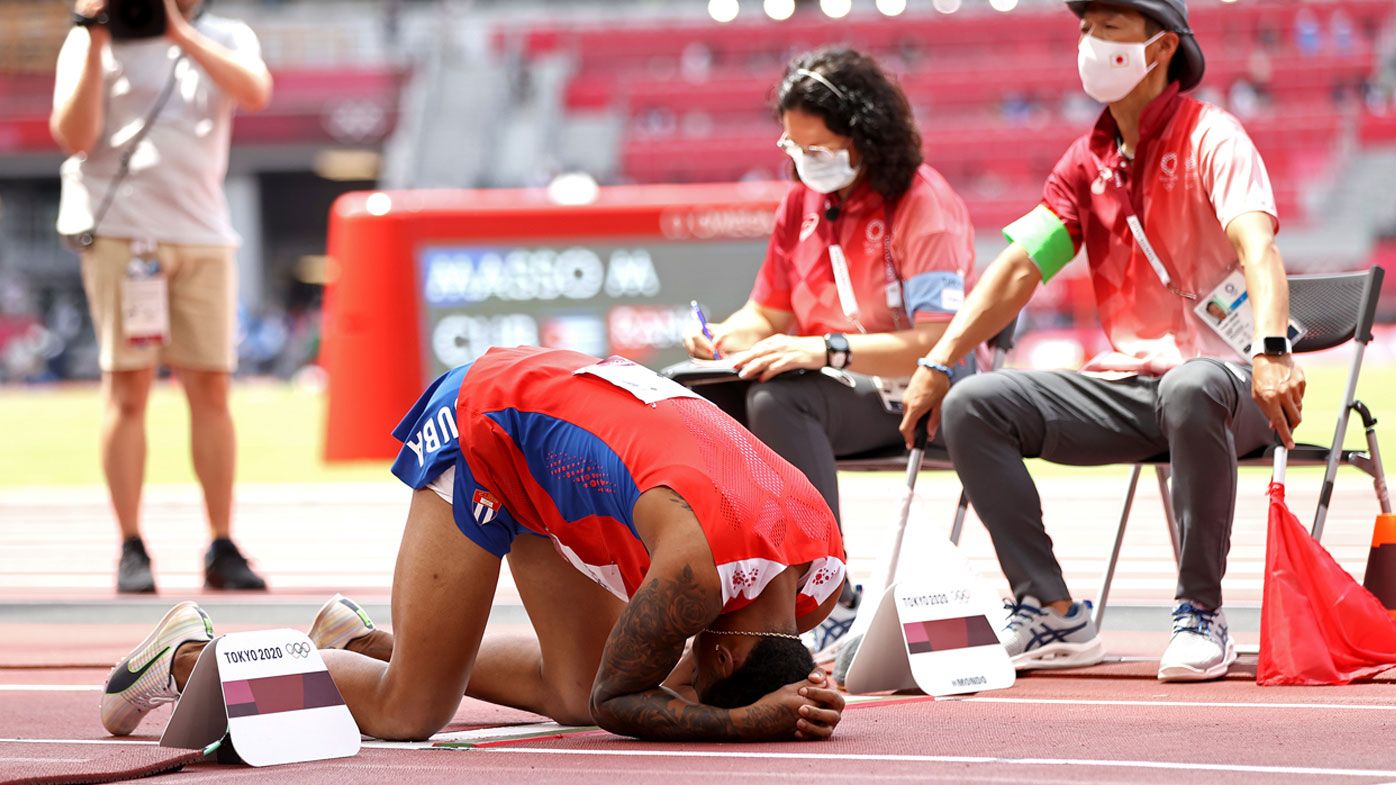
{"type": "Point", "coordinates": [676, 499]}
{"type": "Point", "coordinates": [643, 648]}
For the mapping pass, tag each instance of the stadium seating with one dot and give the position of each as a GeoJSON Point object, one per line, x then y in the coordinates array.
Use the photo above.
{"type": "Point", "coordinates": [996, 95]}
{"type": "Point", "coordinates": [329, 85]}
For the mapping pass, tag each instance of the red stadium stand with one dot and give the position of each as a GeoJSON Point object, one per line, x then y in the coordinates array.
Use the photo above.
{"type": "Point", "coordinates": [308, 106]}
{"type": "Point", "coordinates": [965, 75]}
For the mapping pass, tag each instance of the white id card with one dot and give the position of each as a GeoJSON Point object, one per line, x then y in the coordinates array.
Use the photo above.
{"type": "Point", "coordinates": [639, 381]}
{"type": "Point", "coordinates": [843, 284]}
{"type": "Point", "coordinates": [145, 309]}
{"type": "Point", "coordinates": [1227, 311]}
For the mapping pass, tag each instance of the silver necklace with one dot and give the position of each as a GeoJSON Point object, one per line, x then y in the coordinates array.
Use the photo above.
{"type": "Point", "coordinates": [754, 634]}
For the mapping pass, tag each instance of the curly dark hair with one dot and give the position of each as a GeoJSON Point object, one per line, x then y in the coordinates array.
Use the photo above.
{"type": "Point", "coordinates": [873, 111]}
{"type": "Point", "coordinates": [771, 664]}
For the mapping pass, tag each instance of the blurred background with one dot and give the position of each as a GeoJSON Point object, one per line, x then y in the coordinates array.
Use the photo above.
{"type": "Point", "coordinates": [558, 99]}
{"type": "Point", "coordinates": [458, 94]}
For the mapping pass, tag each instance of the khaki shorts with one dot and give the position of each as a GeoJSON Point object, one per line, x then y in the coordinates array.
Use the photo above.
{"type": "Point", "coordinates": [202, 284]}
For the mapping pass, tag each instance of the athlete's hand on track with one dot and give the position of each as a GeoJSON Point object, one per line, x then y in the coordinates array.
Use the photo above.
{"type": "Point", "coordinates": [806, 710]}
{"type": "Point", "coordinates": [818, 718]}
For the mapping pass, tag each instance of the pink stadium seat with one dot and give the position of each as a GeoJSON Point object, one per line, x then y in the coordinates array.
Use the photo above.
{"type": "Point", "coordinates": [958, 72]}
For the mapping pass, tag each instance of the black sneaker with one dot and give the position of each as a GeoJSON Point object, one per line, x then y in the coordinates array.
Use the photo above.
{"type": "Point", "coordinates": [226, 568]}
{"type": "Point", "coordinates": [133, 571]}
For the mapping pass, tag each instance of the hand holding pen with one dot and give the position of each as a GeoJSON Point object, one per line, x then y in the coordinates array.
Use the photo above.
{"type": "Point", "coordinates": [702, 320]}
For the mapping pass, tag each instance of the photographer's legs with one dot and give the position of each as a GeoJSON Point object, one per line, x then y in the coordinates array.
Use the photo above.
{"type": "Point", "coordinates": [124, 398]}
{"type": "Point", "coordinates": [213, 443]}
{"type": "Point", "coordinates": [127, 373]}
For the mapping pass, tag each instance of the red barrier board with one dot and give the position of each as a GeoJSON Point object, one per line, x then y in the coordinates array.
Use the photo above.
{"type": "Point", "coordinates": [422, 281]}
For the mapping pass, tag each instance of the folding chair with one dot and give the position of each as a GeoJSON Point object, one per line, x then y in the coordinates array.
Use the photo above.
{"type": "Point", "coordinates": [932, 458]}
{"type": "Point", "coordinates": [1333, 309]}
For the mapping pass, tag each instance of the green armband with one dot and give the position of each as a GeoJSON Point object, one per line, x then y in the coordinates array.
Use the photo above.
{"type": "Point", "coordinates": [1043, 235]}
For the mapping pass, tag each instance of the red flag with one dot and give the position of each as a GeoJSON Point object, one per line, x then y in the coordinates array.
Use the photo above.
{"type": "Point", "coordinates": [1317, 624]}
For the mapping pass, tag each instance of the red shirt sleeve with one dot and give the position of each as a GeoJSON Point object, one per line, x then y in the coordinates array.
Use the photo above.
{"type": "Point", "coordinates": [1233, 172]}
{"type": "Point", "coordinates": [772, 289]}
{"type": "Point", "coordinates": [934, 240]}
{"type": "Point", "coordinates": [1061, 193]}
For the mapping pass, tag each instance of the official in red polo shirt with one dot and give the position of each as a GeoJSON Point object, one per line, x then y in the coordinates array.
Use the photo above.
{"type": "Point", "coordinates": [1172, 206]}
{"type": "Point", "coordinates": [868, 262]}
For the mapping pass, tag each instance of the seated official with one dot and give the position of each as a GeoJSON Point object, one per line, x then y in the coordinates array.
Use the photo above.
{"type": "Point", "coordinates": [1171, 203]}
{"type": "Point", "coordinates": [868, 262]}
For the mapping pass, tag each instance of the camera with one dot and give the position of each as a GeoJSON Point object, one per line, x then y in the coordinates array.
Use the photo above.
{"type": "Point", "coordinates": [133, 19]}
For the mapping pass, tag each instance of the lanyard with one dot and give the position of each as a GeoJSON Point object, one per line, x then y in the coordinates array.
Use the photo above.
{"type": "Point", "coordinates": [843, 282]}
{"type": "Point", "coordinates": [87, 238]}
{"type": "Point", "coordinates": [1166, 276]}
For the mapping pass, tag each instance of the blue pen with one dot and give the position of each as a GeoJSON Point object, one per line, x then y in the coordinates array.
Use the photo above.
{"type": "Point", "coordinates": [703, 322]}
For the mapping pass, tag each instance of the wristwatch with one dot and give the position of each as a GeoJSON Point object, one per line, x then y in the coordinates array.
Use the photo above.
{"type": "Point", "coordinates": [81, 20]}
{"type": "Point", "coordinates": [837, 353]}
{"type": "Point", "coordinates": [1273, 346]}
{"type": "Point", "coordinates": [926, 362]}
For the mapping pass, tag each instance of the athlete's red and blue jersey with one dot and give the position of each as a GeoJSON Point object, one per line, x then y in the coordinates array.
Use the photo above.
{"type": "Point", "coordinates": [539, 448]}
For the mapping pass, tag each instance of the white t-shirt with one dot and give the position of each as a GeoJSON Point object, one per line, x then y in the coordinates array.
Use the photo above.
{"type": "Point", "coordinates": [174, 191]}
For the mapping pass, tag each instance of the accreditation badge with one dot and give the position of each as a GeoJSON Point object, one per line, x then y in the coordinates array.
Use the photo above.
{"type": "Point", "coordinates": [1226, 310]}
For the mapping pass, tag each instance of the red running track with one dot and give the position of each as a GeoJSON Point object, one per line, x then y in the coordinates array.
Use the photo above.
{"type": "Point", "coordinates": [1109, 724]}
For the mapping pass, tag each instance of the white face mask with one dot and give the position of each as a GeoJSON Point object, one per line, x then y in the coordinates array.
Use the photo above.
{"type": "Point", "coordinates": [1110, 70]}
{"type": "Point", "coordinates": [824, 171]}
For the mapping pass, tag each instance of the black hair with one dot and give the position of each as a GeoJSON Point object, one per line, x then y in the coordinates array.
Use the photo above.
{"type": "Point", "coordinates": [1153, 27]}
{"type": "Point", "coordinates": [873, 111]}
{"type": "Point", "coordinates": [771, 664]}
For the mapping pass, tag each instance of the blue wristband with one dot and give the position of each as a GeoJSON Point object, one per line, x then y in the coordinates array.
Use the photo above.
{"type": "Point", "coordinates": [934, 366]}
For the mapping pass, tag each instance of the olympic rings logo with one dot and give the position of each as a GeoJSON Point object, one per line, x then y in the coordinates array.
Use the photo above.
{"type": "Point", "coordinates": [299, 649]}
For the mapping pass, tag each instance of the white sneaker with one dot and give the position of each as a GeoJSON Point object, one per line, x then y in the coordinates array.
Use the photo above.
{"type": "Point", "coordinates": [144, 679]}
{"type": "Point", "coordinates": [1038, 637]}
{"type": "Point", "coordinates": [1201, 648]}
{"type": "Point", "coordinates": [339, 621]}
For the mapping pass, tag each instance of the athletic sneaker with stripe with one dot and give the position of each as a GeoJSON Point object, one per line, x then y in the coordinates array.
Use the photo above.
{"type": "Point", "coordinates": [1201, 648]}
{"type": "Point", "coordinates": [144, 679]}
{"type": "Point", "coordinates": [339, 621]}
{"type": "Point", "coordinates": [1039, 637]}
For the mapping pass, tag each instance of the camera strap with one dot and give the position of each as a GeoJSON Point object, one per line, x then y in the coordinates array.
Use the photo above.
{"type": "Point", "coordinates": [87, 238]}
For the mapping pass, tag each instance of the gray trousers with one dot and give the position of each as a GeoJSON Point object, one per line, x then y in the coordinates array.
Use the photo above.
{"type": "Point", "coordinates": [1201, 413]}
{"type": "Point", "coordinates": [810, 419]}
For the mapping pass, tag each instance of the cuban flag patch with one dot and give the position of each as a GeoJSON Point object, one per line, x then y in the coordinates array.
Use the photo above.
{"type": "Point", "coordinates": [485, 506]}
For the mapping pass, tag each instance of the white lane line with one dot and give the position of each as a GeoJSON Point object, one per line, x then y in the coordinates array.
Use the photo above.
{"type": "Point", "coordinates": [77, 741]}
{"type": "Point", "coordinates": [662, 753]}
{"type": "Point", "coordinates": [50, 687]}
{"type": "Point", "coordinates": [824, 757]}
{"type": "Point", "coordinates": [1183, 704]}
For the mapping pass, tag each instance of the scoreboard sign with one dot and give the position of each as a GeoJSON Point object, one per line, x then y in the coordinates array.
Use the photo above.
{"type": "Point", "coordinates": [598, 297]}
{"type": "Point", "coordinates": [424, 281]}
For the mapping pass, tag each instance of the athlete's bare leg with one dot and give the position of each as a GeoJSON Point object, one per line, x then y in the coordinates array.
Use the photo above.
{"type": "Point", "coordinates": [442, 591]}
{"type": "Point", "coordinates": [551, 672]}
